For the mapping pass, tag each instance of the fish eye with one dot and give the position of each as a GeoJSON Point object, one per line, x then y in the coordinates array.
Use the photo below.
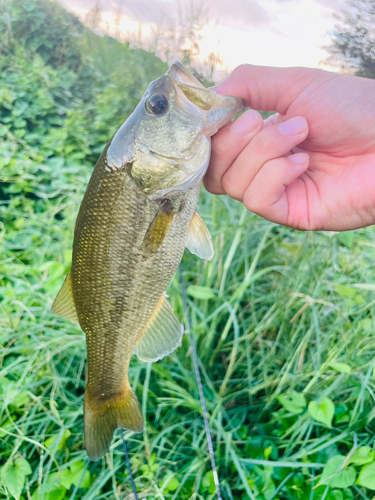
{"type": "Point", "coordinates": [157, 104]}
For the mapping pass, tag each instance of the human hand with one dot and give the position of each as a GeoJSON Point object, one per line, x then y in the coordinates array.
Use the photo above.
{"type": "Point", "coordinates": [312, 164]}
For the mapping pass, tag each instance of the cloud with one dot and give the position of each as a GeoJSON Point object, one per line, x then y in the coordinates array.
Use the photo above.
{"type": "Point", "coordinates": [234, 13]}
{"type": "Point", "coordinates": [238, 13]}
{"type": "Point", "coordinates": [144, 11]}
{"type": "Point", "coordinates": [334, 4]}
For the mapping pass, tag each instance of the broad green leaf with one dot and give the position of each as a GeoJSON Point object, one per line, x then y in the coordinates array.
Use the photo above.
{"type": "Point", "coordinates": [14, 480]}
{"type": "Point", "coordinates": [172, 484]}
{"type": "Point", "coordinates": [60, 478]}
{"type": "Point", "coordinates": [346, 238]}
{"type": "Point", "coordinates": [336, 495]}
{"type": "Point", "coordinates": [20, 399]}
{"type": "Point", "coordinates": [55, 494]}
{"type": "Point", "coordinates": [362, 456]}
{"type": "Point", "coordinates": [365, 324]}
{"type": "Point", "coordinates": [333, 476]}
{"type": "Point", "coordinates": [348, 494]}
{"type": "Point", "coordinates": [7, 425]}
{"type": "Point", "coordinates": [50, 442]}
{"type": "Point", "coordinates": [348, 292]}
{"type": "Point", "coordinates": [340, 367]}
{"type": "Point", "coordinates": [208, 482]}
{"type": "Point", "coordinates": [293, 402]}
{"type": "Point", "coordinates": [342, 417]}
{"type": "Point", "coordinates": [6, 385]}
{"type": "Point", "coordinates": [322, 412]}
{"type": "Point", "coordinates": [77, 469]}
{"type": "Point", "coordinates": [23, 466]}
{"type": "Point", "coordinates": [366, 477]}
{"type": "Point", "coordinates": [267, 452]}
{"type": "Point", "coordinates": [200, 292]}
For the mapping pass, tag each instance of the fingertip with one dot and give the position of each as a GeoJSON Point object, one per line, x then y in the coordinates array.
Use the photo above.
{"type": "Point", "coordinates": [299, 158]}
{"type": "Point", "coordinates": [212, 187]}
{"type": "Point", "coordinates": [294, 126]}
{"type": "Point", "coordinates": [248, 122]}
{"type": "Point", "coordinates": [236, 83]}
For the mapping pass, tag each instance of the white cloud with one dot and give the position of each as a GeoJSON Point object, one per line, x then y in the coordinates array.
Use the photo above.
{"type": "Point", "coordinates": [238, 13]}
{"type": "Point", "coordinates": [334, 4]}
{"type": "Point", "coordinates": [232, 13]}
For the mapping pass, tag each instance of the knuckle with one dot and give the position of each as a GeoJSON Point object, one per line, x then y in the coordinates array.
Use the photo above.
{"type": "Point", "coordinates": [242, 69]}
{"type": "Point", "coordinates": [229, 185]}
{"type": "Point", "coordinates": [262, 143]}
{"type": "Point", "coordinates": [212, 185]}
{"type": "Point", "coordinates": [252, 201]}
{"type": "Point", "coordinates": [219, 145]}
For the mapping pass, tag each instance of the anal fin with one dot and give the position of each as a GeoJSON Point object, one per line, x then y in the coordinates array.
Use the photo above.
{"type": "Point", "coordinates": [63, 304]}
{"type": "Point", "coordinates": [199, 239]}
{"type": "Point", "coordinates": [162, 335]}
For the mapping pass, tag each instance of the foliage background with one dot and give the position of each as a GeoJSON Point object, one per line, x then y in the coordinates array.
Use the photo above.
{"type": "Point", "coordinates": [283, 319]}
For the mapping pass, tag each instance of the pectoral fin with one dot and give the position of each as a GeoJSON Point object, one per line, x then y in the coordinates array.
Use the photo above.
{"type": "Point", "coordinates": [158, 228]}
{"type": "Point", "coordinates": [199, 239]}
{"type": "Point", "coordinates": [64, 304]}
{"type": "Point", "coordinates": [162, 335]}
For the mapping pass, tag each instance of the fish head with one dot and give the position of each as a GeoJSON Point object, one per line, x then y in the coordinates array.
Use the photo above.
{"type": "Point", "coordinates": [166, 140]}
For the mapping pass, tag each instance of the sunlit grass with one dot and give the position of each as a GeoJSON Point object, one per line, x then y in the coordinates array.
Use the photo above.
{"type": "Point", "coordinates": [272, 320]}
{"type": "Point", "coordinates": [283, 320]}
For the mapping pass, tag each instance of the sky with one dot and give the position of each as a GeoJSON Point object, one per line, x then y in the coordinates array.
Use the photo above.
{"type": "Point", "coordinates": [265, 32]}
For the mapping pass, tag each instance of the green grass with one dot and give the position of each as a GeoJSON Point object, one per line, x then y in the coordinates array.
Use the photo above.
{"type": "Point", "coordinates": [279, 308]}
{"type": "Point", "coordinates": [283, 320]}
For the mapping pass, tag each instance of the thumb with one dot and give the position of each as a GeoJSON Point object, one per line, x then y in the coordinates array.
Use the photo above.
{"type": "Point", "coordinates": [266, 88]}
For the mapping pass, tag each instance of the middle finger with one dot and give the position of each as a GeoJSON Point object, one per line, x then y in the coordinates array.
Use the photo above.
{"type": "Point", "coordinates": [272, 142]}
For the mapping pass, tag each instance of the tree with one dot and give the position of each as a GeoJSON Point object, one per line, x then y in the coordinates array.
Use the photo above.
{"type": "Point", "coordinates": [353, 43]}
{"type": "Point", "coordinates": [178, 38]}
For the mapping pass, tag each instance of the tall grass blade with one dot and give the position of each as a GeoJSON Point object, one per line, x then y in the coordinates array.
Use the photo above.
{"type": "Point", "coordinates": [200, 387]}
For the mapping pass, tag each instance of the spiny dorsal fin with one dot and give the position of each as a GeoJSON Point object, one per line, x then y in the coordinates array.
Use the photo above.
{"type": "Point", "coordinates": [64, 303]}
{"type": "Point", "coordinates": [162, 335]}
{"type": "Point", "coordinates": [199, 239]}
{"type": "Point", "coordinates": [158, 228]}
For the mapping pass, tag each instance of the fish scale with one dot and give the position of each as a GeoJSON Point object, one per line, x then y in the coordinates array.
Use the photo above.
{"type": "Point", "coordinates": [136, 218]}
{"type": "Point", "coordinates": [111, 241]}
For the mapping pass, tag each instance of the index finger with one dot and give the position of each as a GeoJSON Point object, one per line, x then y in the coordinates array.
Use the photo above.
{"type": "Point", "coordinates": [267, 88]}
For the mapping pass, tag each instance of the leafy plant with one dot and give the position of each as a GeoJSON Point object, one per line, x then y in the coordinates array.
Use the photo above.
{"type": "Point", "coordinates": [283, 320]}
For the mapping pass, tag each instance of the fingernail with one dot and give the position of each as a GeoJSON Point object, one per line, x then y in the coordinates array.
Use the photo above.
{"type": "Point", "coordinates": [246, 123]}
{"type": "Point", "coordinates": [293, 126]}
{"type": "Point", "coordinates": [298, 158]}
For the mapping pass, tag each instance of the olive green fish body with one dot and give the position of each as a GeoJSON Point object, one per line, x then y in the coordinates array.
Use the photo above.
{"type": "Point", "coordinates": [115, 302]}
{"type": "Point", "coordinates": [136, 218]}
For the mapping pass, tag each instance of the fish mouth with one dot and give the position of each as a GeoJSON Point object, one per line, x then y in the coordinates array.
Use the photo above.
{"type": "Point", "coordinates": [215, 110]}
{"type": "Point", "coordinates": [180, 74]}
{"type": "Point", "coordinates": [222, 112]}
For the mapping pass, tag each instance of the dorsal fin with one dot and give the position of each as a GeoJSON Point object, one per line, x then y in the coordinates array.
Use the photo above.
{"type": "Point", "coordinates": [162, 335]}
{"type": "Point", "coordinates": [199, 239]}
{"type": "Point", "coordinates": [64, 303]}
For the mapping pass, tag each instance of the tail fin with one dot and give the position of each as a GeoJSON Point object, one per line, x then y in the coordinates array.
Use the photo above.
{"type": "Point", "coordinates": [102, 418]}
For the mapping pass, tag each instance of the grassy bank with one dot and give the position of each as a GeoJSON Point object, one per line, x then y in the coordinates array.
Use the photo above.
{"type": "Point", "coordinates": [283, 320]}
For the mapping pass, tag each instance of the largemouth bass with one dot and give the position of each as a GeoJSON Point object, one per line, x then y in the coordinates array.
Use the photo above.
{"type": "Point", "coordinates": [136, 218]}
